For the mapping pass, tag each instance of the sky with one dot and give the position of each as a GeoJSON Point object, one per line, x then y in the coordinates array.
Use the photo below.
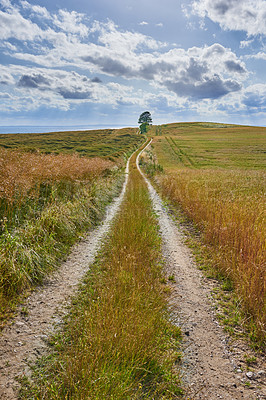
{"type": "Point", "coordinates": [104, 62]}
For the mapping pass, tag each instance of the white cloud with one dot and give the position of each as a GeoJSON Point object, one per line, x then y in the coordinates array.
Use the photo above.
{"type": "Point", "coordinates": [246, 43]}
{"type": "Point", "coordinates": [5, 44]}
{"type": "Point", "coordinates": [53, 88]}
{"type": "Point", "coordinates": [242, 15]}
{"type": "Point", "coordinates": [198, 77]}
{"type": "Point", "coordinates": [5, 96]}
{"type": "Point", "coordinates": [70, 49]}
{"type": "Point", "coordinates": [123, 41]}
{"type": "Point", "coordinates": [14, 25]}
{"type": "Point", "coordinates": [143, 23]}
{"type": "Point", "coordinates": [248, 101]}
{"type": "Point", "coordinates": [70, 22]}
{"type": "Point", "coordinates": [259, 56]}
{"type": "Point", "coordinates": [5, 77]}
{"type": "Point", "coordinates": [41, 11]}
{"type": "Point", "coordinates": [207, 72]}
{"type": "Point", "coordinates": [6, 4]}
{"type": "Point", "coordinates": [255, 97]}
{"type": "Point", "coordinates": [195, 73]}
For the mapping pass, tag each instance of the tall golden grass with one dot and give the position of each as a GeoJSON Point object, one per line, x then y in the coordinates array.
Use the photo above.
{"type": "Point", "coordinates": [20, 172]}
{"type": "Point", "coordinates": [229, 209]}
{"type": "Point", "coordinates": [46, 203]}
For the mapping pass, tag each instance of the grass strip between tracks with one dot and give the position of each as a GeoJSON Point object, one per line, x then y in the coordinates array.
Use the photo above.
{"type": "Point", "coordinates": [117, 342]}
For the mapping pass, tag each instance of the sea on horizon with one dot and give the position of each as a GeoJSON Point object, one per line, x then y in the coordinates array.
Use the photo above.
{"type": "Point", "coordinates": [52, 128]}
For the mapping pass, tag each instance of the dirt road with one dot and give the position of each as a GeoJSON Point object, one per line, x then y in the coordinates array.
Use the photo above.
{"type": "Point", "coordinates": [24, 340]}
{"type": "Point", "coordinates": [209, 368]}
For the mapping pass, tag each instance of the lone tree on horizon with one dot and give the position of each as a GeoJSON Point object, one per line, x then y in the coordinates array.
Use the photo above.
{"type": "Point", "coordinates": [144, 120]}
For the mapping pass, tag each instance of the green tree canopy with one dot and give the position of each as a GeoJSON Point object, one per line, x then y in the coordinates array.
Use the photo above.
{"type": "Point", "coordinates": [144, 120]}
{"type": "Point", "coordinates": [145, 117]}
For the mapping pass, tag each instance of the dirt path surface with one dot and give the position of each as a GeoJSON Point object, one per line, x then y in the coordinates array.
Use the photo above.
{"type": "Point", "coordinates": [209, 368]}
{"type": "Point", "coordinates": [25, 339]}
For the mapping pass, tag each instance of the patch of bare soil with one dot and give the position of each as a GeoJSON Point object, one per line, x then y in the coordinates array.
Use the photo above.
{"type": "Point", "coordinates": [24, 339]}
{"type": "Point", "coordinates": [213, 365]}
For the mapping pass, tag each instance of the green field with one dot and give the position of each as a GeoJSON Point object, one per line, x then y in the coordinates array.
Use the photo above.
{"type": "Point", "coordinates": [207, 145]}
{"type": "Point", "coordinates": [110, 143]}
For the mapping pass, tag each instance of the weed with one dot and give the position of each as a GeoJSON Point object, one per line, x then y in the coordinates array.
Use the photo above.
{"type": "Point", "coordinates": [171, 278]}
{"type": "Point", "coordinates": [250, 360]}
{"type": "Point", "coordinates": [150, 164]}
{"type": "Point", "coordinates": [24, 311]}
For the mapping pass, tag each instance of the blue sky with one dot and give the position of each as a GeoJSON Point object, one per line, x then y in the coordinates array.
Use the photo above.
{"type": "Point", "coordinates": [66, 62]}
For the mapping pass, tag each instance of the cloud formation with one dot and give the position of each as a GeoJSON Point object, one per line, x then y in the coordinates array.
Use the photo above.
{"type": "Point", "coordinates": [211, 88]}
{"type": "Point", "coordinates": [255, 97]}
{"type": "Point", "coordinates": [14, 25]}
{"type": "Point", "coordinates": [55, 88]}
{"type": "Point", "coordinates": [238, 15]}
{"type": "Point", "coordinates": [33, 81]}
{"type": "Point", "coordinates": [64, 59]}
{"type": "Point", "coordinates": [261, 55]}
{"type": "Point", "coordinates": [74, 94]}
{"type": "Point", "coordinates": [96, 80]}
{"type": "Point", "coordinates": [64, 40]}
{"type": "Point", "coordinates": [234, 66]}
{"type": "Point", "coordinates": [195, 73]}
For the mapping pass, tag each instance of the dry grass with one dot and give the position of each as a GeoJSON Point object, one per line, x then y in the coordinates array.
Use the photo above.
{"type": "Point", "coordinates": [46, 203]}
{"type": "Point", "coordinates": [229, 209]}
{"type": "Point", "coordinates": [215, 173]}
{"type": "Point", "coordinates": [22, 172]}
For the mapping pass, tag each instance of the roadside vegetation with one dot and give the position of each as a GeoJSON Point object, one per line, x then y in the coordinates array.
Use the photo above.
{"type": "Point", "coordinates": [117, 342]}
{"type": "Point", "coordinates": [47, 202]}
{"type": "Point", "coordinates": [214, 173]}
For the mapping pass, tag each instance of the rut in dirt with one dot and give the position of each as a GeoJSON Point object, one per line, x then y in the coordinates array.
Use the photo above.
{"type": "Point", "coordinates": [210, 371]}
{"type": "Point", "coordinates": [25, 339]}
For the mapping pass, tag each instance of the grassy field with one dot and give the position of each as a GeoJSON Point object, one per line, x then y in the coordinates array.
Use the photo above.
{"type": "Point", "coordinates": [118, 342]}
{"type": "Point", "coordinates": [206, 145]}
{"type": "Point", "coordinates": [216, 174]}
{"type": "Point", "coordinates": [108, 143]}
{"type": "Point", "coordinates": [48, 200]}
